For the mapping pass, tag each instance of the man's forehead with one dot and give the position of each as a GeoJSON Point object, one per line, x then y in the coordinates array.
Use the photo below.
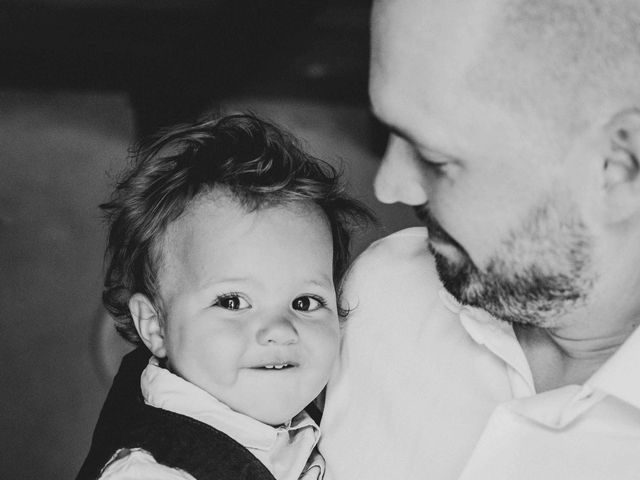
{"type": "Point", "coordinates": [421, 47]}
{"type": "Point", "coordinates": [428, 34]}
{"type": "Point", "coordinates": [433, 16]}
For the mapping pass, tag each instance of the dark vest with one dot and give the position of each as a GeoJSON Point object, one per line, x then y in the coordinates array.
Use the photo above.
{"type": "Point", "coordinates": [173, 439]}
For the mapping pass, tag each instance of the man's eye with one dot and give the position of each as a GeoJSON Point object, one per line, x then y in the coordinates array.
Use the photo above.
{"type": "Point", "coordinates": [435, 161]}
{"type": "Point", "coordinates": [231, 302]}
{"type": "Point", "coordinates": [307, 303]}
{"type": "Point", "coordinates": [434, 165]}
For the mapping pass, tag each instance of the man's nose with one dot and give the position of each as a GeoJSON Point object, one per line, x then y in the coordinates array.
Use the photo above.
{"type": "Point", "coordinates": [277, 331]}
{"type": "Point", "coordinates": [399, 177]}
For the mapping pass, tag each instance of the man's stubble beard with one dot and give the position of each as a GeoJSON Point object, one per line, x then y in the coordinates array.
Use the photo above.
{"type": "Point", "coordinates": [539, 273]}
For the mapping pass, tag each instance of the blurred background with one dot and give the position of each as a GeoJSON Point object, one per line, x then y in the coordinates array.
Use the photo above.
{"type": "Point", "coordinates": [80, 81]}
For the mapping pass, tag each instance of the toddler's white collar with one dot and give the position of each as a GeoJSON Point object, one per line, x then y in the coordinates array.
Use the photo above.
{"type": "Point", "coordinates": [163, 389]}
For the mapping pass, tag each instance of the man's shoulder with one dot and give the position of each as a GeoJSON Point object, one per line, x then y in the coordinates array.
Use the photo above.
{"type": "Point", "coordinates": [393, 281]}
{"type": "Point", "coordinates": [400, 259]}
{"type": "Point", "coordinates": [408, 242]}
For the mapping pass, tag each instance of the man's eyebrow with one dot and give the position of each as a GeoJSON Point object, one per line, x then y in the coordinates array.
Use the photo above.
{"type": "Point", "coordinates": [404, 134]}
{"type": "Point", "coordinates": [397, 131]}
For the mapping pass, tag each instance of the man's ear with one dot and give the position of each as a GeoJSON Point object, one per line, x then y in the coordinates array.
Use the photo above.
{"type": "Point", "coordinates": [621, 168]}
{"type": "Point", "coordinates": [148, 324]}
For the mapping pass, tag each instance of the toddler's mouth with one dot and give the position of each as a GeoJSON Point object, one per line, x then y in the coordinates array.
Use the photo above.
{"type": "Point", "coordinates": [276, 366]}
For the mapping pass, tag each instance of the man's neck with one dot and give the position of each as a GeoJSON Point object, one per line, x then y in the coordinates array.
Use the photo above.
{"type": "Point", "coordinates": [559, 357]}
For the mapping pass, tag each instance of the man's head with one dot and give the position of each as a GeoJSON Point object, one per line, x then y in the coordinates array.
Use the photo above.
{"type": "Point", "coordinates": [515, 123]}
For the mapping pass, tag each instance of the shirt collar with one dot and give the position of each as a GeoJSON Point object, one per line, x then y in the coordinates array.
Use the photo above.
{"type": "Point", "coordinates": [559, 407]}
{"type": "Point", "coordinates": [163, 389]}
{"type": "Point", "coordinates": [620, 375]}
{"type": "Point", "coordinates": [496, 335]}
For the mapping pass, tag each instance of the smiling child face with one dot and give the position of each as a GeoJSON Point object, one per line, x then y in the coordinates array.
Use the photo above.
{"type": "Point", "coordinates": [249, 304]}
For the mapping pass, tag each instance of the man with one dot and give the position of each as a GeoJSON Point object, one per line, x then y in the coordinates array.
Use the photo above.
{"type": "Point", "coordinates": [516, 136]}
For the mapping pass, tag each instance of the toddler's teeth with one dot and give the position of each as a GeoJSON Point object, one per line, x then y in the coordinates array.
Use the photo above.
{"type": "Point", "coordinates": [277, 367]}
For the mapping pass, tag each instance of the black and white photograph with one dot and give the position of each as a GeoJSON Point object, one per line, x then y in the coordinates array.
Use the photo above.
{"type": "Point", "coordinates": [320, 240]}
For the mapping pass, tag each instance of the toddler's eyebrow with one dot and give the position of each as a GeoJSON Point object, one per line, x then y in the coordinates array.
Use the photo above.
{"type": "Point", "coordinates": [208, 282]}
{"type": "Point", "coordinates": [324, 281]}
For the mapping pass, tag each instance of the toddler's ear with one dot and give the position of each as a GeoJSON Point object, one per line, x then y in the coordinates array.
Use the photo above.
{"type": "Point", "coordinates": [148, 324]}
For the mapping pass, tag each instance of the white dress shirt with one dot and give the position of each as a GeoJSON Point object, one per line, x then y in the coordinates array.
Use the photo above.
{"type": "Point", "coordinates": [287, 451]}
{"type": "Point", "coordinates": [429, 389]}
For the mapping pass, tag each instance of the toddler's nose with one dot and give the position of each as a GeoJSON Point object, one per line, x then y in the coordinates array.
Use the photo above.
{"type": "Point", "coordinates": [278, 331]}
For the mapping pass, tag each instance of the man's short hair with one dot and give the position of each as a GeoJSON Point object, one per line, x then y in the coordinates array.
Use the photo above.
{"type": "Point", "coordinates": [259, 164]}
{"type": "Point", "coordinates": [571, 59]}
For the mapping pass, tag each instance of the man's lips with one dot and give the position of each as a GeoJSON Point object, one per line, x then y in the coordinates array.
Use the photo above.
{"type": "Point", "coordinates": [443, 244]}
{"type": "Point", "coordinates": [446, 249]}
{"type": "Point", "coordinates": [439, 238]}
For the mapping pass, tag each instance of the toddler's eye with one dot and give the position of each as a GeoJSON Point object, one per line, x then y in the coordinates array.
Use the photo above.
{"type": "Point", "coordinates": [231, 302]}
{"type": "Point", "coordinates": [307, 303]}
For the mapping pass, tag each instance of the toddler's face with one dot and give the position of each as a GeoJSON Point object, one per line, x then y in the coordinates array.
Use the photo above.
{"type": "Point", "coordinates": [250, 305]}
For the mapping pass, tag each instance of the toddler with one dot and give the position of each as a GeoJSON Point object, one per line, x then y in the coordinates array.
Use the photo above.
{"type": "Point", "coordinates": [225, 248]}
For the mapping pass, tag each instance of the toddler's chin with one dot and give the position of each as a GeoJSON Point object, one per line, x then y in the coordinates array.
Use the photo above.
{"type": "Point", "coordinates": [274, 417]}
